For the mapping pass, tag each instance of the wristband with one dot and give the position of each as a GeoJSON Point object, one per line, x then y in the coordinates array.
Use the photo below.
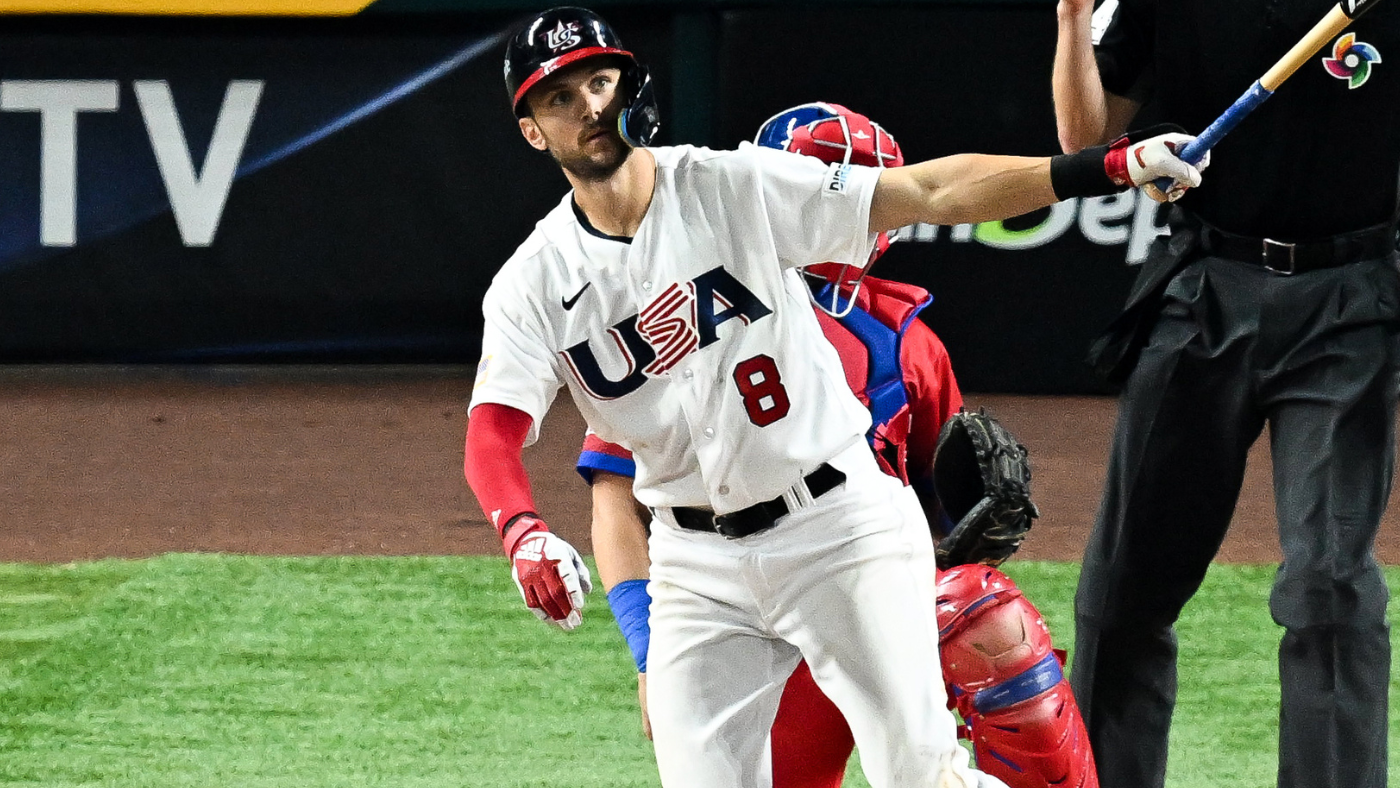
{"type": "Point", "coordinates": [517, 528]}
{"type": "Point", "coordinates": [1083, 174]}
{"type": "Point", "coordinates": [631, 606]}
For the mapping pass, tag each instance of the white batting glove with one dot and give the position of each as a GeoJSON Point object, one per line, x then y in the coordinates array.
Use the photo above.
{"type": "Point", "coordinates": [552, 579]}
{"type": "Point", "coordinates": [1144, 162]}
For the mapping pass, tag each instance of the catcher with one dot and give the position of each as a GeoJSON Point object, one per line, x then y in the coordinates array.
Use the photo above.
{"type": "Point", "coordinates": [973, 479]}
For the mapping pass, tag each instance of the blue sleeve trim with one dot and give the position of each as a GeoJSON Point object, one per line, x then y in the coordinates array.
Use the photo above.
{"type": "Point", "coordinates": [591, 461]}
{"type": "Point", "coordinates": [631, 606]}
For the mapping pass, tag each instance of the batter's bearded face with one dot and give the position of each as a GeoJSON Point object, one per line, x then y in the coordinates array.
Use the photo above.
{"type": "Point", "coordinates": [573, 115]}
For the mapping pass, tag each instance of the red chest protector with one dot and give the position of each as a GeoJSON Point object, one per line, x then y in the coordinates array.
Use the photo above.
{"type": "Point", "coordinates": [868, 339]}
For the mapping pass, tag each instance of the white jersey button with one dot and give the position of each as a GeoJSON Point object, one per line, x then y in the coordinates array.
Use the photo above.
{"type": "Point", "coordinates": [709, 432]}
{"type": "Point", "coordinates": [646, 285]}
{"type": "Point", "coordinates": [688, 374]}
{"type": "Point", "coordinates": [724, 489]}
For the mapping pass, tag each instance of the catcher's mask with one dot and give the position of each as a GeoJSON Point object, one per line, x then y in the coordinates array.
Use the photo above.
{"type": "Point", "coordinates": [562, 36]}
{"type": "Point", "coordinates": [835, 135]}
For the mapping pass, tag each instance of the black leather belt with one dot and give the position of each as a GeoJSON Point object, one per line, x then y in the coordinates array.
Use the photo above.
{"type": "Point", "coordinates": [1288, 258]}
{"type": "Point", "coordinates": [762, 515]}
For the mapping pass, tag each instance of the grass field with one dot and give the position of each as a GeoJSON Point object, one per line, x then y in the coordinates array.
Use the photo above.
{"type": "Point", "coordinates": [214, 670]}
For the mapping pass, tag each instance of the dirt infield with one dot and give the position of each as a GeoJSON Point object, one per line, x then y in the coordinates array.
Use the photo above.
{"type": "Point", "coordinates": [109, 462]}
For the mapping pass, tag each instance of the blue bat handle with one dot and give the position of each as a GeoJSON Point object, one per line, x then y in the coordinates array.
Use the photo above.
{"type": "Point", "coordinates": [1197, 149]}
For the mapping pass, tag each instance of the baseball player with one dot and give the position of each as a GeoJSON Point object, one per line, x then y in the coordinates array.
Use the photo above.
{"type": "Point", "coordinates": [1030, 735]}
{"type": "Point", "coordinates": [658, 292]}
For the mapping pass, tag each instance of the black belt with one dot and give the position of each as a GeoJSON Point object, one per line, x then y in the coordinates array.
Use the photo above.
{"type": "Point", "coordinates": [762, 515]}
{"type": "Point", "coordinates": [1288, 258]}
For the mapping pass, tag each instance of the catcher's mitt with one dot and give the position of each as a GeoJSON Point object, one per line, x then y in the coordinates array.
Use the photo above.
{"type": "Point", "coordinates": [983, 480]}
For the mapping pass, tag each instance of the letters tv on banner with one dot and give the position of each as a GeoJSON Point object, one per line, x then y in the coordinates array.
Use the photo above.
{"type": "Point", "coordinates": [260, 190]}
{"type": "Point", "coordinates": [257, 190]}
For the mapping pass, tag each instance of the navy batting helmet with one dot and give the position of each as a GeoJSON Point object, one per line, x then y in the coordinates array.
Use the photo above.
{"type": "Point", "coordinates": [562, 36]}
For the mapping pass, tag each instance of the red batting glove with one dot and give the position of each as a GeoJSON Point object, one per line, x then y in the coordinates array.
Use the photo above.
{"type": "Point", "coordinates": [549, 573]}
{"type": "Point", "coordinates": [1141, 163]}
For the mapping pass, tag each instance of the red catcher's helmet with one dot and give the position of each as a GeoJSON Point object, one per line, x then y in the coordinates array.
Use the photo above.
{"type": "Point", "coordinates": [835, 135]}
{"type": "Point", "coordinates": [563, 36]}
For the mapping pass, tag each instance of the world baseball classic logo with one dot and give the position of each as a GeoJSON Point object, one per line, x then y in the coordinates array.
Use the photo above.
{"type": "Point", "coordinates": [1351, 60]}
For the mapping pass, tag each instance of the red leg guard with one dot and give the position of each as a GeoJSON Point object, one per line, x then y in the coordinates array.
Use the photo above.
{"type": "Point", "coordinates": [1036, 743]}
{"type": "Point", "coordinates": [811, 740]}
{"type": "Point", "coordinates": [1025, 726]}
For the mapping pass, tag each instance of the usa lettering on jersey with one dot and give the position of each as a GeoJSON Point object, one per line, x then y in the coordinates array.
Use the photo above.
{"type": "Point", "coordinates": [683, 319]}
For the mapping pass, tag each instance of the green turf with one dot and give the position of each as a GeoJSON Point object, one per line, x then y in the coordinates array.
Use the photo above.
{"type": "Point", "coordinates": [203, 670]}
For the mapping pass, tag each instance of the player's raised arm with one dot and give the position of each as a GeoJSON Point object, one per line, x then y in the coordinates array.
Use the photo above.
{"type": "Point", "coordinates": [1085, 113]}
{"type": "Point", "coordinates": [968, 188]}
{"type": "Point", "coordinates": [962, 188]}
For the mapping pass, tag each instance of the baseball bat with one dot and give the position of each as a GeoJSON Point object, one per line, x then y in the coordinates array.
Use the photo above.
{"type": "Point", "coordinates": [1336, 20]}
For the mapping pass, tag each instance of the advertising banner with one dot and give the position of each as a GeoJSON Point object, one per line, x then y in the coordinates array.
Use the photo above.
{"type": "Point", "coordinates": [256, 191]}
{"type": "Point", "coordinates": [264, 190]}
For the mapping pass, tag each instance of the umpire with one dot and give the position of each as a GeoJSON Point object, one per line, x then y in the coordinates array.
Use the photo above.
{"type": "Point", "coordinates": [1275, 299]}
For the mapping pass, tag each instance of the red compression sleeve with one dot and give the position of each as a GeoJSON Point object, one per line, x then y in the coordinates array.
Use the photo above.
{"type": "Point", "coordinates": [496, 474]}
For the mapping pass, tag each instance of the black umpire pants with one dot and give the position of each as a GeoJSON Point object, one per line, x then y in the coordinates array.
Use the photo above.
{"type": "Point", "coordinates": [1313, 355]}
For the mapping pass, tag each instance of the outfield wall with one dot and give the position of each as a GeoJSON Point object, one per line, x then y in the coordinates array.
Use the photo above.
{"type": "Point", "coordinates": [192, 189]}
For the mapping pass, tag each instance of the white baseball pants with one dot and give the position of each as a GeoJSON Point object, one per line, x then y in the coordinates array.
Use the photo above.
{"type": "Point", "coordinates": [846, 582]}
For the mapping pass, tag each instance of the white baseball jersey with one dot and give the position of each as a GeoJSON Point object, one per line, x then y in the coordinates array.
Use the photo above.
{"type": "Point", "coordinates": [691, 344]}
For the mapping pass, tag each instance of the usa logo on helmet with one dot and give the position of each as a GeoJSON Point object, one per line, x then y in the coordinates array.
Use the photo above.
{"type": "Point", "coordinates": [562, 36]}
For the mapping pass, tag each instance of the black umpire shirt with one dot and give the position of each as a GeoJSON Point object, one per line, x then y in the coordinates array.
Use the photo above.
{"type": "Point", "coordinates": [1319, 157]}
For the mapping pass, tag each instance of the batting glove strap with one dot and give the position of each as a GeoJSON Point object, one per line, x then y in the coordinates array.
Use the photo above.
{"type": "Point", "coordinates": [1115, 163]}
{"type": "Point", "coordinates": [631, 606]}
{"type": "Point", "coordinates": [519, 527]}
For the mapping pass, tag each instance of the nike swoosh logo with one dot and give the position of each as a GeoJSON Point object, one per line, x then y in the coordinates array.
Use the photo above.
{"type": "Point", "coordinates": [569, 302]}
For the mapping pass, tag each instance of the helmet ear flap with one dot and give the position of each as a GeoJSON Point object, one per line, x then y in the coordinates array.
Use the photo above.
{"type": "Point", "coordinates": [640, 118]}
